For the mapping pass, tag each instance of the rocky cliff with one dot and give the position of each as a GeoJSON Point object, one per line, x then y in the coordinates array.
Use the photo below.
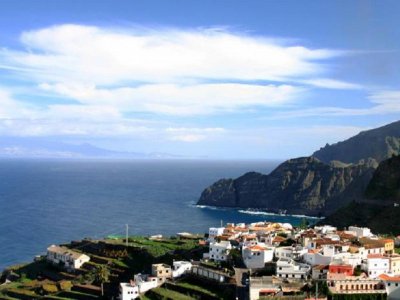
{"type": "Point", "coordinates": [378, 206]}
{"type": "Point", "coordinates": [298, 186]}
{"type": "Point", "coordinates": [379, 143]}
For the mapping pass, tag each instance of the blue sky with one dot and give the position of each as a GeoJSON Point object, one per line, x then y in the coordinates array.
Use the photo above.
{"type": "Point", "coordinates": [218, 79]}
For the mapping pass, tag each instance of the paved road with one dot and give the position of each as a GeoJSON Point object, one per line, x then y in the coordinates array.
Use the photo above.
{"type": "Point", "coordinates": [242, 291]}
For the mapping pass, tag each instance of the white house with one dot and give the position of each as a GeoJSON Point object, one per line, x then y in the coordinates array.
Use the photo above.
{"type": "Point", "coordinates": [256, 256]}
{"type": "Point", "coordinates": [145, 282]}
{"type": "Point", "coordinates": [128, 291]}
{"type": "Point", "coordinates": [375, 265]}
{"type": "Point", "coordinates": [67, 258]}
{"type": "Point", "coordinates": [353, 259]}
{"type": "Point", "coordinates": [360, 231]}
{"type": "Point", "coordinates": [288, 268]}
{"type": "Point", "coordinates": [181, 267]}
{"type": "Point", "coordinates": [324, 229]}
{"type": "Point", "coordinates": [324, 257]}
{"type": "Point", "coordinates": [290, 252]}
{"type": "Point", "coordinates": [392, 285]}
{"type": "Point", "coordinates": [213, 232]}
{"type": "Point", "coordinates": [219, 251]}
{"type": "Point", "coordinates": [365, 251]}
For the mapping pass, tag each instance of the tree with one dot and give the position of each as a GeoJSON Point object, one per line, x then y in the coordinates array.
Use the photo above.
{"type": "Point", "coordinates": [101, 275]}
{"type": "Point", "coordinates": [304, 223]}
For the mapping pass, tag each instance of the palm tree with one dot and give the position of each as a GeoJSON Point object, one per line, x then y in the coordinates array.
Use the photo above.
{"type": "Point", "coordinates": [101, 275]}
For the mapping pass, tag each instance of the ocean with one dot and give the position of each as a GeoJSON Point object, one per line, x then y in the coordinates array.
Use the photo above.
{"type": "Point", "coordinates": [44, 202]}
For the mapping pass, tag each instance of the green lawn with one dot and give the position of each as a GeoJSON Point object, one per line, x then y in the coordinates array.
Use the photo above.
{"type": "Point", "coordinates": [190, 286]}
{"type": "Point", "coordinates": [168, 294]}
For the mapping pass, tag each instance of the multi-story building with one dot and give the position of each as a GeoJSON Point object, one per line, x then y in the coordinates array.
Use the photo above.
{"type": "Point", "coordinates": [256, 256]}
{"type": "Point", "coordinates": [288, 268]}
{"type": "Point", "coordinates": [375, 265]}
{"type": "Point", "coordinates": [219, 251]}
{"type": "Point", "coordinates": [162, 272]}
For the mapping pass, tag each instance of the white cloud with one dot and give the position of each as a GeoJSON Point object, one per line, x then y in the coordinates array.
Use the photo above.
{"type": "Point", "coordinates": [110, 56]}
{"type": "Point", "coordinates": [9, 107]}
{"type": "Point", "coordinates": [191, 135]}
{"type": "Point", "coordinates": [170, 71]}
{"type": "Point", "coordinates": [384, 102]}
{"type": "Point", "coordinates": [179, 100]}
{"type": "Point", "coordinates": [332, 84]}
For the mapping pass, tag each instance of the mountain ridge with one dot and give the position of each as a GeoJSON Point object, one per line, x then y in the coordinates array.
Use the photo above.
{"type": "Point", "coordinates": [315, 186]}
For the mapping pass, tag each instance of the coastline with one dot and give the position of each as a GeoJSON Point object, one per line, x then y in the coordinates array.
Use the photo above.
{"type": "Point", "coordinates": [253, 211]}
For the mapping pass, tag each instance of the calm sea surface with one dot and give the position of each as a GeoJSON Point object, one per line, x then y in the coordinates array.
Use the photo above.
{"type": "Point", "coordinates": [44, 202]}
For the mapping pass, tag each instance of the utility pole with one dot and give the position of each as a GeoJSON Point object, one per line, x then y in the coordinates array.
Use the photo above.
{"type": "Point", "coordinates": [316, 291]}
{"type": "Point", "coordinates": [126, 237]}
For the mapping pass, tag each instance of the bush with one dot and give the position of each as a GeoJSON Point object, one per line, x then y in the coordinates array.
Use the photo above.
{"type": "Point", "coordinates": [49, 288]}
{"type": "Point", "coordinates": [65, 285]}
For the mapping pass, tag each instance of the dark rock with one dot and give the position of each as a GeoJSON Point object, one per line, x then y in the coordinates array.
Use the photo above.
{"type": "Point", "coordinates": [379, 143]}
{"type": "Point", "coordinates": [298, 186]}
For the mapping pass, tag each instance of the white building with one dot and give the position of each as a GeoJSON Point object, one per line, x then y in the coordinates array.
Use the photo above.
{"type": "Point", "coordinates": [375, 265]}
{"type": "Point", "coordinates": [323, 257]}
{"type": "Point", "coordinates": [256, 256]}
{"type": "Point", "coordinates": [213, 232]}
{"type": "Point", "coordinates": [392, 285]}
{"type": "Point", "coordinates": [145, 282]}
{"type": "Point", "coordinates": [181, 267]}
{"type": "Point", "coordinates": [325, 229]}
{"type": "Point", "coordinates": [287, 268]}
{"type": "Point", "coordinates": [262, 286]}
{"type": "Point", "coordinates": [353, 259]}
{"type": "Point", "coordinates": [360, 231]}
{"type": "Point", "coordinates": [290, 252]}
{"type": "Point", "coordinates": [67, 258]}
{"type": "Point", "coordinates": [128, 291]}
{"type": "Point", "coordinates": [219, 251]}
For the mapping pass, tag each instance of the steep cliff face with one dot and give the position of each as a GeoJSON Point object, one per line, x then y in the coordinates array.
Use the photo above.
{"type": "Point", "coordinates": [377, 206]}
{"type": "Point", "coordinates": [380, 143]}
{"type": "Point", "coordinates": [385, 183]}
{"type": "Point", "coordinates": [303, 185]}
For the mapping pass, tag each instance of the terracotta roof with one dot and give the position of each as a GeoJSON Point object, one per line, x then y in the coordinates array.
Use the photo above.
{"type": "Point", "coordinates": [389, 278]}
{"type": "Point", "coordinates": [278, 239]}
{"type": "Point", "coordinates": [387, 240]}
{"type": "Point", "coordinates": [268, 291]}
{"type": "Point", "coordinates": [375, 256]}
{"type": "Point", "coordinates": [314, 250]}
{"type": "Point", "coordinates": [257, 248]}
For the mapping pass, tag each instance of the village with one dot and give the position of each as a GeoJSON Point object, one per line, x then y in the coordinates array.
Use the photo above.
{"type": "Point", "coordinates": [260, 260]}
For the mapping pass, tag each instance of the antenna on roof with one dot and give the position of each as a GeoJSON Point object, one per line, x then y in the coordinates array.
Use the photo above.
{"type": "Point", "coordinates": [222, 223]}
{"type": "Point", "coordinates": [126, 237]}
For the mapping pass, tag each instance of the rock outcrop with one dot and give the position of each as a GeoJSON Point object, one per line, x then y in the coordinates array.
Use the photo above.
{"type": "Point", "coordinates": [298, 186]}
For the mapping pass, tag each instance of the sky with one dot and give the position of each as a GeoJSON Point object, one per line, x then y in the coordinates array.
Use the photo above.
{"type": "Point", "coordinates": [215, 79]}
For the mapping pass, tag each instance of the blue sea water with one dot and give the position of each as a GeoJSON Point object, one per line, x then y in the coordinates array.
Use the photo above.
{"type": "Point", "coordinates": [44, 202]}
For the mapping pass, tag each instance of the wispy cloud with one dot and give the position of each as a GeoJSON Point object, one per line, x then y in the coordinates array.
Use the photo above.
{"type": "Point", "coordinates": [167, 71]}
{"type": "Point", "coordinates": [175, 99]}
{"type": "Point", "coordinates": [111, 56]}
{"type": "Point", "coordinates": [383, 102]}
{"type": "Point", "coordinates": [191, 135]}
